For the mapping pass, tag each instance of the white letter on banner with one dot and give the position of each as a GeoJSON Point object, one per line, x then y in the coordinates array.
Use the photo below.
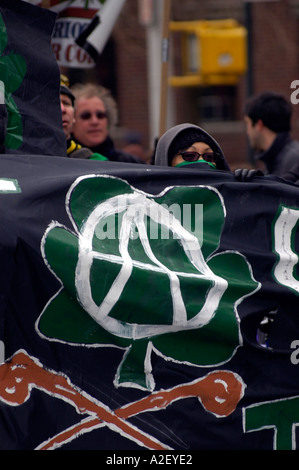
{"type": "Point", "coordinates": [8, 185]}
{"type": "Point", "coordinates": [283, 229]}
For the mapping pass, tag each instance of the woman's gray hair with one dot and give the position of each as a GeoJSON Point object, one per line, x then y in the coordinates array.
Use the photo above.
{"type": "Point", "coordinates": [90, 90]}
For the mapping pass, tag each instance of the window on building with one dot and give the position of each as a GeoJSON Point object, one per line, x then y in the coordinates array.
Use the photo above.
{"type": "Point", "coordinates": [217, 103]}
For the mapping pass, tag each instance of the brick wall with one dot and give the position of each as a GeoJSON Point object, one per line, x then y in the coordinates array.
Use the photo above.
{"type": "Point", "coordinates": [131, 75]}
{"type": "Point", "coordinates": [275, 55]}
{"type": "Point", "coordinates": [276, 51]}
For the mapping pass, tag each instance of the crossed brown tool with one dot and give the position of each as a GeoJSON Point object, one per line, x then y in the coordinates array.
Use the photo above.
{"type": "Point", "coordinates": [219, 392]}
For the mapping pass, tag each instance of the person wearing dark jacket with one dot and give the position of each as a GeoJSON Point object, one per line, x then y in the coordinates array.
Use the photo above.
{"type": "Point", "coordinates": [95, 117]}
{"type": "Point", "coordinates": [74, 149]}
{"type": "Point", "coordinates": [187, 145]}
{"type": "Point", "coordinates": [268, 127]}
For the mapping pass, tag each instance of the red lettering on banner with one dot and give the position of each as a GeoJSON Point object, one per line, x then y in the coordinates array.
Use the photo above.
{"type": "Point", "coordinates": [56, 49]}
{"type": "Point", "coordinates": [69, 55]}
{"type": "Point", "coordinates": [75, 53]}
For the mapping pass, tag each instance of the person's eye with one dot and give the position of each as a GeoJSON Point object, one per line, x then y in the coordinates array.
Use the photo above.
{"type": "Point", "coordinates": [209, 156]}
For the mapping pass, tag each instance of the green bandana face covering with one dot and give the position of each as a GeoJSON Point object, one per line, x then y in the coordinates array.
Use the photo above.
{"type": "Point", "coordinates": [212, 165]}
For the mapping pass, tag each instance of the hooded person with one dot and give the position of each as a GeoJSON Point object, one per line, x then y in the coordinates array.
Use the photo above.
{"type": "Point", "coordinates": [187, 145]}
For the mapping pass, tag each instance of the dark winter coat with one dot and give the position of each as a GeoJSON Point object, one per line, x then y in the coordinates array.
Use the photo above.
{"type": "Point", "coordinates": [282, 158]}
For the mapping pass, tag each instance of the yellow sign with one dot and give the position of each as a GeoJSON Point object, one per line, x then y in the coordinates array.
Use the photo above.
{"type": "Point", "coordinates": [213, 52]}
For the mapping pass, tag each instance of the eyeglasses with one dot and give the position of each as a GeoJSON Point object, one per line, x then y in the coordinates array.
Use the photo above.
{"type": "Point", "coordinates": [210, 157]}
{"type": "Point", "coordinates": [87, 115]}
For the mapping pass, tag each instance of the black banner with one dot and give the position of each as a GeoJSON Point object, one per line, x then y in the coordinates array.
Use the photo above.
{"type": "Point", "coordinates": [145, 308]}
{"type": "Point", "coordinates": [30, 78]}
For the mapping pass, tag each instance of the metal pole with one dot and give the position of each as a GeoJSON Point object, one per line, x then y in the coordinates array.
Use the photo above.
{"type": "Point", "coordinates": [164, 66]}
{"type": "Point", "coordinates": [248, 24]}
{"type": "Point", "coordinates": [250, 86]}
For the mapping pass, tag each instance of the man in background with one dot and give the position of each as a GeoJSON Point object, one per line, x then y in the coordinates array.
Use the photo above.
{"type": "Point", "coordinates": [67, 103]}
{"type": "Point", "coordinates": [95, 119]}
{"type": "Point", "coordinates": [268, 127]}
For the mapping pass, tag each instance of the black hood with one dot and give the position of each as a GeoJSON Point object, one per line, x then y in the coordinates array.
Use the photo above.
{"type": "Point", "coordinates": [166, 140]}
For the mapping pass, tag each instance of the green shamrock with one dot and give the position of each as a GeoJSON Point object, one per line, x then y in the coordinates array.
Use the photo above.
{"type": "Point", "coordinates": [12, 71]}
{"type": "Point", "coordinates": [134, 277]}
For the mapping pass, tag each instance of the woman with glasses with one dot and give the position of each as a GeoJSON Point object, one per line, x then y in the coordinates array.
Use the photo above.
{"type": "Point", "coordinates": [187, 145]}
{"type": "Point", "coordinates": [95, 118]}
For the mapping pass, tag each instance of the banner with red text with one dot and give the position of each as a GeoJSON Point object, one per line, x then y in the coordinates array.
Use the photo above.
{"type": "Point", "coordinates": [82, 29]}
